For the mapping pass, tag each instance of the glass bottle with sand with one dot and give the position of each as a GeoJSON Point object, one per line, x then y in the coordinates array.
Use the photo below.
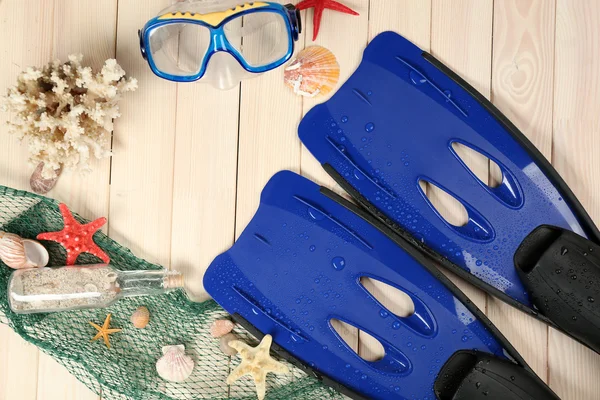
{"type": "Point", "coordinates": [42, 290]}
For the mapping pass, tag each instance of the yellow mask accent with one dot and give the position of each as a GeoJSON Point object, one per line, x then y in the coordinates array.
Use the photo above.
{"type": "Point", "coordinates": [215, 18]}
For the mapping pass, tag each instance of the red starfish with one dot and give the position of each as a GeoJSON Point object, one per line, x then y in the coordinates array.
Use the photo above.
{"type": "Point", "coordinates": [319, 6]}
{"type": "Point", "coordinates": [76, 238]}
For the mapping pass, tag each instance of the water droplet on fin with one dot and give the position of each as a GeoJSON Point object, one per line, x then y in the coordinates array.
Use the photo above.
{"type": "Point", "coordinates": [338, 263]}
{"type": "Point", "coordinates": [315, 214]}
{"type": "Point", "coordinates": [417, 78]}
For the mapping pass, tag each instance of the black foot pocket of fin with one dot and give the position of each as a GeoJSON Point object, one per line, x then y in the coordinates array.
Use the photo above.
{"type": "Point", "coordinates": [561, 271]}
{"type": "Point", "coordinates": [471, 375]}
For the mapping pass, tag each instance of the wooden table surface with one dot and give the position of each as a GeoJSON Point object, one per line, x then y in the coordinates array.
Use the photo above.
{"type": "Point", "coordinates": [190, 161]}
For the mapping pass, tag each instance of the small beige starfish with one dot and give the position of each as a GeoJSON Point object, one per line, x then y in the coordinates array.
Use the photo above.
{"type": "Point", "coordinates": [104, 331]}
{"type": "Point", "coordinates": [256, 361]}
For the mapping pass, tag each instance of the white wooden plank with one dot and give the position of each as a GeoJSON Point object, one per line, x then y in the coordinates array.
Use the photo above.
{"type": "Point", "coordinates": [410, 18]}
{"type": "Point", "coordinates": [17, 356]}
{"type": "Point", "coordinates": [143, 146]}
{"type": "Point", "coordinates": [24, 44]}
{"type": "Point", "coordinates": [573, 369]}
{"type": "Point", "coordinates": [55, 383]}
{"type": "Point", "coordinates": [204, 180]}
{"type": "Point", "coordinates": [522, 87]}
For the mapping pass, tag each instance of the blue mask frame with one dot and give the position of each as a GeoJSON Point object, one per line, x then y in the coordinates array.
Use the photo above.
{"type": "Point", "coordinates": [218, 40]}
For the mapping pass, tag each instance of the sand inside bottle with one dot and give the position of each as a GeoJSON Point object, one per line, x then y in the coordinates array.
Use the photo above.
{"type": "Point", "coordinates": [60, 289]}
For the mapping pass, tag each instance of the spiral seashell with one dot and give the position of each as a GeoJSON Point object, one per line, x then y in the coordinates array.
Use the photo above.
{"type": "Point", "coordinates": [174, 365]}
{"type": "Point", "coordinates": [18, 253]}
{"type": "Point", "coordinates": [314, 72]}
{"type": "Point", "coordinates": [140, 317]}
{"type": "Point", "coordinates": [221, 327]}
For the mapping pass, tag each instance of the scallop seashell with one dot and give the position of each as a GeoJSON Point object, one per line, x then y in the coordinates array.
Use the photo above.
{"type": "Point", "coordinates": [221, 327]}
{"type": "Point", "coordinates": [18, 253]}
{"type": "Point", "coordinates": [174, 365]}
{"type": "Point", "coordinates": [314, 72]}
{"type": "Point", "coordinates": [140, 317]}
{"type": "Point", "coordinates": [224, 344]}
{"type": "Point", "coordinates": [41, 185]}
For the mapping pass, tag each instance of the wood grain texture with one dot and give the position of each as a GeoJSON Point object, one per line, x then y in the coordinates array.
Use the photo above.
{"type": "Point", "coordinates": [461, 37]}
{"type": "Point", "coordinates": [55, 383]}
{"type": "Point", "coordinates": [410, 18]}
{"type": "Point", "coordinates": [24, 44]}
{"type": "Point", "coordinates": [574, 370]}
{"type": "Point", "coordinates": [17, 356]}
{"type": "Point", "coordinates": [522, 87]}
{"type": "Point", "coordinates": [204, 185]}
{"type": "Point", "coordinates": [143, 146]}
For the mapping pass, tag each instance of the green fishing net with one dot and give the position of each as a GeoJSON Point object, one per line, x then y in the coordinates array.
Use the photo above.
{"type": "Point", "coordinates": [127, 369]}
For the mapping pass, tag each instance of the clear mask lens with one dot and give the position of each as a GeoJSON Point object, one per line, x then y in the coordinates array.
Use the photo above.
{"type": "Point", "coordinates": [260, 37]}
{"type": "Point", "coordinates": [179, 48]}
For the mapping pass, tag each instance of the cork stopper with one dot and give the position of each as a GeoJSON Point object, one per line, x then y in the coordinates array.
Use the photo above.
{"type": "Point", "coordinates": [173, 280]}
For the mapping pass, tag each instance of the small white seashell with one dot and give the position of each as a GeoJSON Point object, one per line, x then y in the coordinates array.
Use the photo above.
{"type": "Point", "coordinates": [221, 327]}
{"type": "Point", "coordinates": [174, 365]}
{"type": "Point", "coordinates": [17, 252]}
{"type": "Point", "coordinates": [140, 317]}
{"type": "Point", "coordinates": [36, 253]}
{"type": "Point", "coordinates": [224, 344]}
{"type": "Point", "coordinates": [90, 288]}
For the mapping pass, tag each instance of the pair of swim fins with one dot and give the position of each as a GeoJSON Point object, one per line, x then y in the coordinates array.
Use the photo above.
{"type": "Point", "coordinates": [299, 264]}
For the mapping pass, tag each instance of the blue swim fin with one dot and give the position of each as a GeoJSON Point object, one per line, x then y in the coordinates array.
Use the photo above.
{"type": "Point", "coordinates": [397, 121]}
{"type": "Point", "coordinates": [298, 265]}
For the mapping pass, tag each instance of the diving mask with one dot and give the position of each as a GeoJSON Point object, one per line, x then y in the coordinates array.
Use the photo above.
{"type": "Point", "coordinates": [197, 39]}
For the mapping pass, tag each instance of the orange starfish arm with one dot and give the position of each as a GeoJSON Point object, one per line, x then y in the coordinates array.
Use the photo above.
{"type": "Point", "coordinates": [50, 236]}
{"type": "Point", "coordinates": [96, 326]}
{"type": "Point", "coordinates": [66, 214]}
{"type": "Point", "coordinates": [98, 336]}
{"type": "Point", "coordinates": [106, 322]}
{"type": "Point", "coordinates": [98, 252]}
{"type": "Point", "coordinates": [95, 224]}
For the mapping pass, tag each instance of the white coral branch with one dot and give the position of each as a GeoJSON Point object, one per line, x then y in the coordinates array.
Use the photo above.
{"type": "Point", "coordinates": [66, 112]}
